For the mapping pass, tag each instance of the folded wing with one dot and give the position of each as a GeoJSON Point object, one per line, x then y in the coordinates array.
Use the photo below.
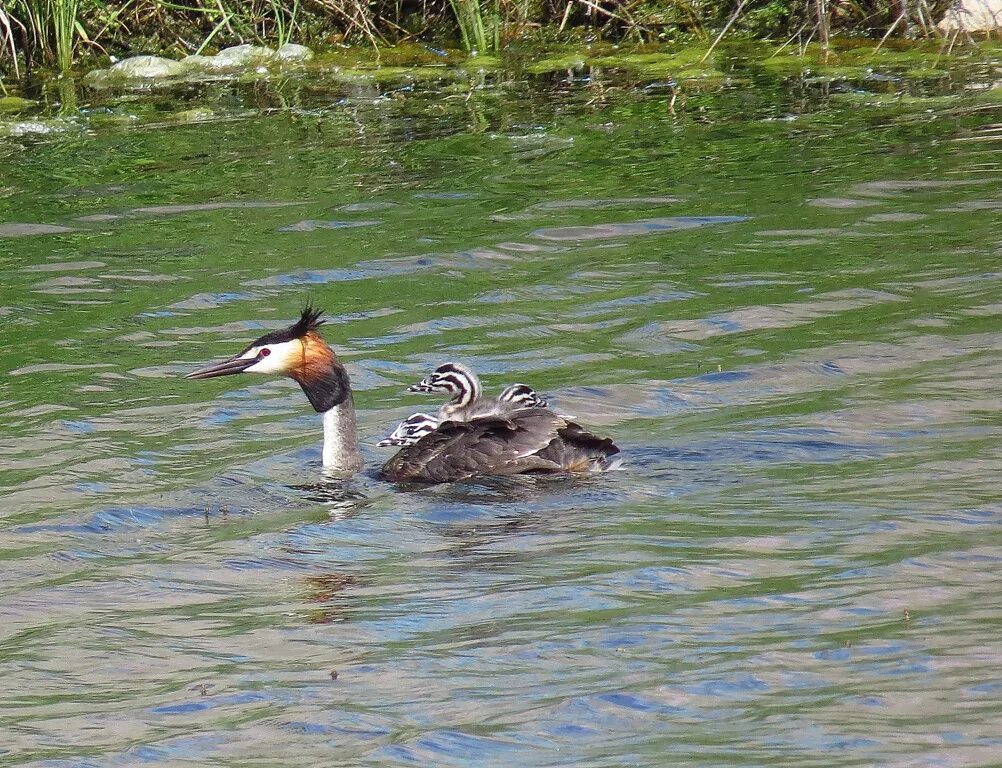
{"type": "Point", "coordinates": [529, 440]}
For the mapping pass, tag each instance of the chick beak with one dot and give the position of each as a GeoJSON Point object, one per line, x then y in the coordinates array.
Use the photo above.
{"type": "Point", "coordinates": [225, 368]}
{"type": "Point", "coordinates": [421, 386]}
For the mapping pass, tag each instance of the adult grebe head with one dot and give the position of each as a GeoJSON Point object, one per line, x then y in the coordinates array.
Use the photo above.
{"type": "Point", "coordinates": [298, 352]}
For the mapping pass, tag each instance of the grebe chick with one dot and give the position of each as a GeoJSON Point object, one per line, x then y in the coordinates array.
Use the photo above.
{"type": "Point", "coordinates": [410, 430]}
{"type": "Point", "coordinates": [516, 396]}
{"type": "Point", "coordinates": [462, 386]}
{"type": "Point", "coordinates": [465, 401]}
{"type": "Point", "coordinates": [417, 425]}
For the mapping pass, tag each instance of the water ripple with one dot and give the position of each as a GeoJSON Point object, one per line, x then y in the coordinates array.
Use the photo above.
{"type": "Point", "coordinates": [796, 565]}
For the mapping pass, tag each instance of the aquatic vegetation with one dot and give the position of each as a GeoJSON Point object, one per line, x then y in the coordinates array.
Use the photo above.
{"type": "Point", "coordinates": [111, 96]}
{"type": "Point", "coordinates": [647, 61]}
{"type": "Point", "coordinates": [60, 33]}
{"type": "Point", "coordinates": [841, 60]}
{"type": "Point", "coordinates": [14, 104]}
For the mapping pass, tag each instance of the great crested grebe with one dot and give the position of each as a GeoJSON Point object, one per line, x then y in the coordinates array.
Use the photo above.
{"type": "Point", "coordinates": [465, 402]}
{"type": "Point", "coordinates": [525, 440]}
{"type": "Point", "coordinates": [417, 425]}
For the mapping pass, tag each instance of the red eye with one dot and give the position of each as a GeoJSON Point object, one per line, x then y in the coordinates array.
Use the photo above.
{"type": "Point", "coordinates": [264, 352]}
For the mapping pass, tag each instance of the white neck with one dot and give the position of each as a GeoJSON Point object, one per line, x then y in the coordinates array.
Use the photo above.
{"type": "Point", "coordinates": [341, 452]}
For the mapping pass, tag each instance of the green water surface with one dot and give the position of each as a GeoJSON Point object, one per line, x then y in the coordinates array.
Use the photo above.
{"type": "Point", "coordinates": [778, 290]}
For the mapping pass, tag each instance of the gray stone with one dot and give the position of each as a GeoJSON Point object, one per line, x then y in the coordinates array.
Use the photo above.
{"type": "Point", "coordinates": [291, 53]}
{"type": "Point", "coordinates": [244, 56]}
{"type": "Point", "coordinates": [199, 63]}
{"type": "Point", "coordinates": [975, 15]}
{"type": "Point", "coordinates": [229, 61]}
{"type": "Point", "coordinates": [146, 68]}
{"type": "Point", "coordinates": [96, 78]}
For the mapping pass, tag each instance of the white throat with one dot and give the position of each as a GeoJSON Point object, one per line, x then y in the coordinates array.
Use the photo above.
{"type": "Point", "coordinates": [341, 452]}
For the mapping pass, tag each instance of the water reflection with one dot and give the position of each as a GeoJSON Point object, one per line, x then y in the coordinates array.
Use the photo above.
{"type": "Point", "coordinates": [337, 494]}
{"type": "Point", "coordinates": [311, 225]}
{"type": "Point", "coordinates": [21, 229]}
{"type": "Point", "coordinates": [626, 229]}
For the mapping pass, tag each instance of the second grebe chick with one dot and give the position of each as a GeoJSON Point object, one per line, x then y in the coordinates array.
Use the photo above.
{"type": "Point", "coordinates": [521, 396]}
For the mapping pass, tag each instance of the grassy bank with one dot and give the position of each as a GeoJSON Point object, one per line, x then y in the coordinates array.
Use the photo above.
{"type": "Point", "coordinates": [63, 34]}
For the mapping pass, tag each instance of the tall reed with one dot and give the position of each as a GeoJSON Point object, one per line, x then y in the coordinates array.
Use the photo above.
{"type": "Point", "coordinates": [7, 42]}
{"type": "Point", "coordinates": [63, 14]}
{"type": "Point", "coordinates": [285, 20]}
{"type": "Point", "coordinates": [49, 29]}
{"type": "Point", "coordinates": [479, 27]}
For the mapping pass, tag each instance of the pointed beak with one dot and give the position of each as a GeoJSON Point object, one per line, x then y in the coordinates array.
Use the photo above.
{"type": "Point", "coordinates": [386, 441]}
{"type": "Point", "coordinates": [225, 368]}
{"type": "Point", "coordinates": [421, 386]}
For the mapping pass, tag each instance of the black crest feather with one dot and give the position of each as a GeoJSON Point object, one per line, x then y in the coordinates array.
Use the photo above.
{"type": "Point", "coordinates": [310, 319]}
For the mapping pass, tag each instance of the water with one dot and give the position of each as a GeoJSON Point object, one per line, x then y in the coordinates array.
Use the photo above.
{"type": "Point", "coordinates": [782, 301]}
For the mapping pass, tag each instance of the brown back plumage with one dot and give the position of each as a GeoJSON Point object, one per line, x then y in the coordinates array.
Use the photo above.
{"type": "Point", "coordinates": [528, 440]}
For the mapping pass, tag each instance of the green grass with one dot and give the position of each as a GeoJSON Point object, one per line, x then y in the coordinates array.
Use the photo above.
{"type": "Point", "coordinates": [45, 28]}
